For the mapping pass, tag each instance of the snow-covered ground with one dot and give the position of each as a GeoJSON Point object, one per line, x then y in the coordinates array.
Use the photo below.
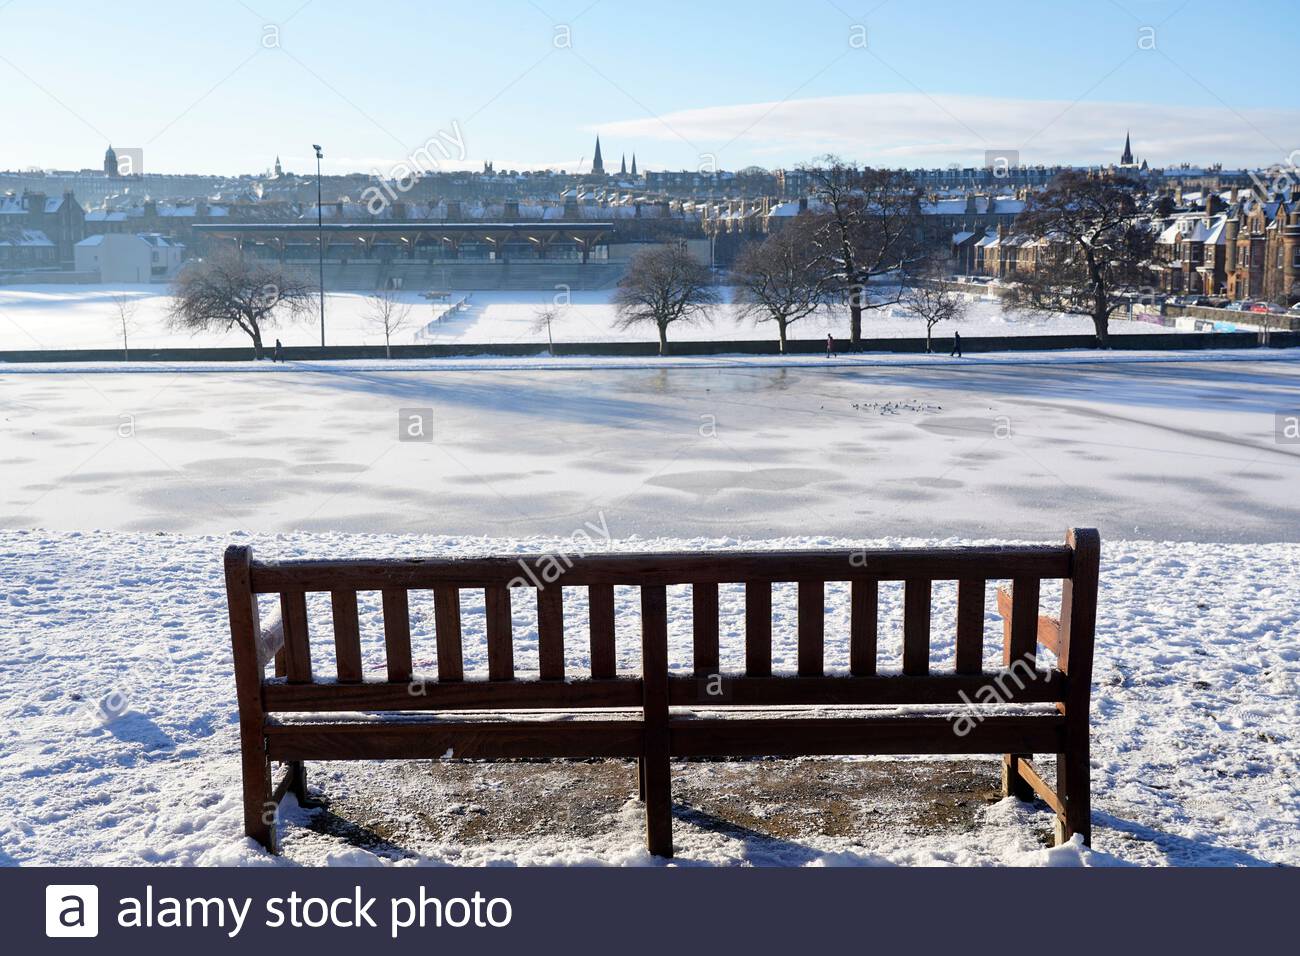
{"type": "Point", "coordinates": [61, 317]}
{"type": "Point", "coordinates": [1196, 760]}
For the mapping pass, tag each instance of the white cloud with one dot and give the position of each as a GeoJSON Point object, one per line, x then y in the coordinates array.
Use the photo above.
{"type": "Point", "coordinates": [913, 129]}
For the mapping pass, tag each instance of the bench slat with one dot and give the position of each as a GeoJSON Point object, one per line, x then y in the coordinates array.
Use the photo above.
{"type": "Point", "coordinates": [864, 609]}
{"type": "Point", "coordinates": [970, 625]}
{"type": "Point", "coordinates": [617, 693]}
{"type": "Point", "coordinates": [704, 620]}
{"type": "Point", "coordinates": [1013, 688]}
{"type": "Point", "coordinates": [939, 564]}
{"type": "Point", "coordinates": [347, 636]}
{"type": "Point", "coordinates": [758, 628]}
{"type": "Point", "coordinates": [550, 632]}
{"type": "Point", "coordinates": [500, 633]}
{"type": "Point", "coordinates": [600, 607]}
{"type": "Point", "coordinates": [916, 627]}
{"type": "Point", "coordinates": [1024, 622]}
{"type": "Point", "coordinates": [812, 628]}
{"type": "Point", "coordinates": [446, 621]}
{"type": "Point", "coordinates": [297, 648]}
{"type": "Point", "coordinates": [846, 736]}
{"type": "Point", "coordinates": [397, 635]}
{"type": "Point", "coordinates": [470, 740]}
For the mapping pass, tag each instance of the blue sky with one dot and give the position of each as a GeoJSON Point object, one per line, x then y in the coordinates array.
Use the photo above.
{"type": "Point", "coordinates": [224, 85]}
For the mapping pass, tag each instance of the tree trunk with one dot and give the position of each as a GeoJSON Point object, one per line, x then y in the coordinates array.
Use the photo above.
{"type": "Point", "coordinates": [855, 318]}
{"type": "Point", "coordinates": [929, 349]}
{"type": "Point", "coordinates": [781, 334]}
{"type": "Point", "coordinates": [257, 343]}
{"type": "Point", "coordinates": [1101, 320]}
{"type": "Point", "coordinates": [663, 338]}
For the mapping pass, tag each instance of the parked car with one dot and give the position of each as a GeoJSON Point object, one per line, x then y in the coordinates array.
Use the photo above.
{"type": "Point", "coordinates": [1267, 308]}
{"type": "Point", "coordinates": [1295, 308]}
{"type": "Point", "coordinates": [1244, 306]}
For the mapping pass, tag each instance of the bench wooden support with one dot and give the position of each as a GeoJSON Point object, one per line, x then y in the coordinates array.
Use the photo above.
{"type": "Point", "coordinates": [1070, 638]}
{"type": "Point", "coordinates": [652, 717]}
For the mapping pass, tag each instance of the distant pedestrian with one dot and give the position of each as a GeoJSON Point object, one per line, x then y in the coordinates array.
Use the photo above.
{"type": "Point", "coordinates": [956, 345]}
{"type": "Point", "coordinates": [279, 352]}
{"type": "Point", "coordinates": [830, 346]}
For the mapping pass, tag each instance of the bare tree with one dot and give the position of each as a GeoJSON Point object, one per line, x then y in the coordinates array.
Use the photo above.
{"type": "Point", "coordinates": [387, 313]}
{"type": "Point", "coordinates": [931, 299]}
{"type": "Point", "coordinates": [543, 319]}
{"type": "Point", "coordinates": [869, 227]}
{"type": "Point", "coordinates": [665, 285]}
{"type": "Point", "coordinates": [1092, 248]}
{"type": "Point", "coordinates": [227, 291]}
{"type": "Point", "coordinates": [124, 309]}
{"type": "Point", "coordinates": [782, 279]}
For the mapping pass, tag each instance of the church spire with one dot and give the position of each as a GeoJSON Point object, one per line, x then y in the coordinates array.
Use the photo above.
{"type": "Point", "coordinates": [622, 166]}
{"type": "Point", "coordinates": [1127, 158]}
{"type": "Point", "coordinates": [597, 164]}
{"type": "Point", "coordinates": [634, 165]}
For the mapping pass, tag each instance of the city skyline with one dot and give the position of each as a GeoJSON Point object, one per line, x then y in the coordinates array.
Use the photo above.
{"type": "Point", "coordinates": [528, 85]}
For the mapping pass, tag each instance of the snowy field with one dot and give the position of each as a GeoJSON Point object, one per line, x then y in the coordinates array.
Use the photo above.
{"type": "Point", "coordinates": [1196, 760]}
{"type": "Point", "coordinates": [119, 490]}
{"type": "Point", "coordinates": [59, 317]}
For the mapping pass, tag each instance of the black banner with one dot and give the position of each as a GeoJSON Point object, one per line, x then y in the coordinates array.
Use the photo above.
{"type": "Point", "coordinates": [643, 910]}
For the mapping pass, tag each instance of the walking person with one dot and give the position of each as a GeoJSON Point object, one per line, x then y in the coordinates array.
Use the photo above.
{"type": "Point", "coordinates": [956, 345]}
{"type": "Point", "coordinates": [830, 345]}
{"type": "Point", "coordinates": [278, 356]}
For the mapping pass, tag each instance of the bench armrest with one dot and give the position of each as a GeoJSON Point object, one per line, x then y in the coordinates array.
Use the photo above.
{"type": "Point", "coordinates": [1049, 628]}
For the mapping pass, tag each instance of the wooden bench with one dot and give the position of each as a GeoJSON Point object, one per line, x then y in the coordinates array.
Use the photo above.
{"type": "Point", "coordinates": [295, 715]}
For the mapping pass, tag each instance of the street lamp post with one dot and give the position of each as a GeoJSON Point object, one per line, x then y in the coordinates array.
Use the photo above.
{"type": "Point", "coordinates": [320, 244]}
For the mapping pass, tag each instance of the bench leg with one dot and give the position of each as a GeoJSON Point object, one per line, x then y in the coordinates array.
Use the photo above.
{"type": "Point", "coordinates": [640, 778]}
{"type": "Point", "coordinates": [1074, 785]}
{"type": "Point", "coordinates": [1014, 785]}
{"type": "Point", "coordinates": [298, 781]}
{"type": "Point", "coordinates": [657, 777]}
{"type": "Point", "coordinates": [260, 806]}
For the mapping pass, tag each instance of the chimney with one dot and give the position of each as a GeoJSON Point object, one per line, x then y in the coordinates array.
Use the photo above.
{"type": "Point", "coordinates": [571, 212]}
{"type": "Point", "coordinates": [453, 210]}
{"type": "Point", "coordinates": [803, 203]}
{"type": "Point", "coordinates": [510, 211]}
{"type": "Point", "coordinates": [35, 203]}
{"type": "Point", "coordinates": [397, 210]}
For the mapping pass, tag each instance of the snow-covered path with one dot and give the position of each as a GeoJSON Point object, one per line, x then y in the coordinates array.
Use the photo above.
{"type": "Point", "coordinates": [1196, 757]}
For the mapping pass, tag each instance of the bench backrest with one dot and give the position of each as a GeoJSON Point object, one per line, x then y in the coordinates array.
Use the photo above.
{"type": "Point", "coordinates": [301, 687]}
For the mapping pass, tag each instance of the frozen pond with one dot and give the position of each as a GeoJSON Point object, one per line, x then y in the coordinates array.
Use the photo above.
{"type": "Point", "coordinates": [1182, 451]}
